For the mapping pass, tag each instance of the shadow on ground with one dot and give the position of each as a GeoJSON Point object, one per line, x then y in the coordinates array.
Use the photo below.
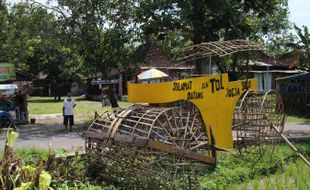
{"type": "Point", "coordinates": [52, 100]}
{"type": "Point", "coordinates": [45, 132]}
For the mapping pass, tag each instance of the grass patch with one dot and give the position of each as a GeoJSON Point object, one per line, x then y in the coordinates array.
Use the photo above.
{"type": "Point", "coordinates": [294, 118]}
{"type": "Point", "coordinates": [234, 170]}
{"type": "Point", "coordinates": [47, 105]}
{"type": "Point", "coordinates": [295, 175]}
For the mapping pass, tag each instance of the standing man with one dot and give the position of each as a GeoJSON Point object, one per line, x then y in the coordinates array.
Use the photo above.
{"type": "Point", "coordinates": [67, 112]}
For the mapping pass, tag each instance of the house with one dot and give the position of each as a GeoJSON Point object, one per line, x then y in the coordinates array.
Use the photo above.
{"type": "Point", "coordinates": [150, 56]}
{"type": "Point", "coordinates": [295, 93]}
{"type": "Point", "coordinates": [267, 69]}
{"type": "Point", "coordinates": [266, 74]}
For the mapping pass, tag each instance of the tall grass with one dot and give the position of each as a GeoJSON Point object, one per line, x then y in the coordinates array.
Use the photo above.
{"type": "Point", "coordinates": [280, 170]}
{"type": "Point", "coordinates": [296, 175]}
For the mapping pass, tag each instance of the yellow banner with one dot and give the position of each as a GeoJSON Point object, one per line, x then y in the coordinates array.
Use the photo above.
{"type": "Point", "coordinates": [213, 95]}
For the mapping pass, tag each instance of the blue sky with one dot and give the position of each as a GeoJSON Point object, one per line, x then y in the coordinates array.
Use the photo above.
{"type": "Point", "coordinates": [299, 11]}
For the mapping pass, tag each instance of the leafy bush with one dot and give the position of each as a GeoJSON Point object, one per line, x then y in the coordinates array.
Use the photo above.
{"type": "Point", "coordinates": [231, 170]}
{"type": "Point", "coordinates": [31, 156]}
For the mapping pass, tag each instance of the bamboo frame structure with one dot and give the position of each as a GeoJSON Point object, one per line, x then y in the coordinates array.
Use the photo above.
{"type": "Point", "coordinates": [254, 118]}
{"type": "Point", "coordinates": [166, 140]}
{"type": "Point", "coordinates": [217, 48]}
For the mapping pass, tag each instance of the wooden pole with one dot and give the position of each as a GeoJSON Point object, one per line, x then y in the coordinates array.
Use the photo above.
{"type": "Point", "coordinates": [293, 147]}
{"type": "Point", "coordinates": [120, 86]}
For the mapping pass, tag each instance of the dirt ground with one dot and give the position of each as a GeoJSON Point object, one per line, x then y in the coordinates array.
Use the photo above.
{"type": "Point", "coordinates": [48, 129]}
{"type": "Point", "coordinates": [58, 118]}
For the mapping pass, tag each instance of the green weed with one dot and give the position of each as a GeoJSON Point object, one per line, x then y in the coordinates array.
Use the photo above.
{"type": "Point", "coordinates": [256, 184]}
{"type": "Point", "coordinates": [31, 156]}
{"type": "Point", "coordinates": [278, 182]}
{"type": "Point", "coordinates": [268, 184]}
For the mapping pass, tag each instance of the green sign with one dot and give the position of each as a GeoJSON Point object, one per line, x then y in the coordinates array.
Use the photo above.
{"type": "Point", "coordinates": [7, 72]}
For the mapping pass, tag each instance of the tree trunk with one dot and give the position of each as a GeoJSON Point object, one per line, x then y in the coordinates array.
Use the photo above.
{"type": "Point", "coordinates": [198, 30]}
{"type": "Point", "coordinates": [55, 90]}
{"type": "Point", "coordinates": [112, 98]}
{"type": "Point", "coordinates": [233, 75]}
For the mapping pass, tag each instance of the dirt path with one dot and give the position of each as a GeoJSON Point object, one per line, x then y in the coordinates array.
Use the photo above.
{"type": "Point", "coordinates": [41, 140]}
{"type": "Point", "coordinates": [49, 129]}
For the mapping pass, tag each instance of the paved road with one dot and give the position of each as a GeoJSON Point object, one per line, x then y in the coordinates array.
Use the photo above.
{"type": "Point", "coordinates": [297, 129]}
{"type": "Point", "coordinates": [40, 135]}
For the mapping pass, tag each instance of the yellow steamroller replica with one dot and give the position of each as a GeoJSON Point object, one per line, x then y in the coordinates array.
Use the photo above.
{"type": "Point", "coordinates": [176, 126]}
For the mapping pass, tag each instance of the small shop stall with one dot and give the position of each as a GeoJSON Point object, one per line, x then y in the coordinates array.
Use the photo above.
{"type": "Point", "coordinates": [13, 101]}
{"type": "Point", "coordinates": [14, 89]}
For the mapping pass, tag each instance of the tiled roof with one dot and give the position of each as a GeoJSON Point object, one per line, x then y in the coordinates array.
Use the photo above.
{"type": "Point", "coordinates": [151, 56]}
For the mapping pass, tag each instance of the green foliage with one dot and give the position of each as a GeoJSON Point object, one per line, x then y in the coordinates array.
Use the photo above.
{"type": "Point", "coordinates": [268, 184]}
{"type": "Point", "coordinates": [178, 23]}
{"type": "Point", "coordinates": [77, 185]}
{"type": "Point", "coordinates": [67, 43]}
{"type": "Point", "coordinates": [3, 31]}
{"type": "Point", "coordinates": [233, 168]}
{"type": "Point", "coordinates": [68, 170]}
{"type": "Point", "coordinates": [31, 156]}
{"type": "Point", "coordinates": [100, 30]}
{"type": "Point", "coordinates": [75, 39]}
{"type": "Point", "coordinates": [13, 175]}
{"type": "Point", "coordinates": [209, 21]}
{"type": "Point", "coordinates": [256, 184]}
{"type": "Point", "coordinates": [36, 43]}
{"type": "Point", "coordinates": [295, 176]}
{"type": "Point", "coordinates": [232, 172]}
{"type": "Point", "coordinates": [278, 45]}
{"type": "Point", "coordinates": [302, 47]}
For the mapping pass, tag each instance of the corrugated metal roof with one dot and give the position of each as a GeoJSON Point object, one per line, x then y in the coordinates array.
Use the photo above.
{"type": "Point", "coordinates": [174, 68]}
{"type": "Point", "coordinates": [259, 63]}
{"type": "Point", "coordinates": [296, 77]}
{"type": "Point", "coordinates": [279, 71]}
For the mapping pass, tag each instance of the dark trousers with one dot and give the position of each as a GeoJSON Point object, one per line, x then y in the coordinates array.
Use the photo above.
{"type": "Point", "coordinates": [68, 119]}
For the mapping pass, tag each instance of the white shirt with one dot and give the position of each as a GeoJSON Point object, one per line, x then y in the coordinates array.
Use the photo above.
{"type": "Point", "coordinates": [68, 105]}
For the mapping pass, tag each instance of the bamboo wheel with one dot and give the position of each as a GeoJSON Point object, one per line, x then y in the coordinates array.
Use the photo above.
{"type": "Point", "coordinates": [254, 119]}
{"type": "Point", "coordinates": [162, 140]}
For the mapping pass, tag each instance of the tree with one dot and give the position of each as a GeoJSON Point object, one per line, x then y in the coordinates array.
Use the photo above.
{"type": "Point", "coordinates": [100, 31]}
{"type": "Point", "coordinates": [302, 47]}
{"type": "Point", "coordinates": [203, 21]}
{"type": "Point", "coordinates": [279, 44]}
{"type": "Point", "coordinates": [3, 30]}
{"type": "Point", "coordinates": [38, 44]}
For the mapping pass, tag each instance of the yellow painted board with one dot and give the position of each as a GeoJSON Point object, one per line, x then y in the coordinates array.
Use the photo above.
{"type": "Point", "coordinates": [214, 96]}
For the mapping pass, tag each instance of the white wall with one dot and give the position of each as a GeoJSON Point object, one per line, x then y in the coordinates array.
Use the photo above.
{"type": "Point", "coordinates": [264, 81]}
